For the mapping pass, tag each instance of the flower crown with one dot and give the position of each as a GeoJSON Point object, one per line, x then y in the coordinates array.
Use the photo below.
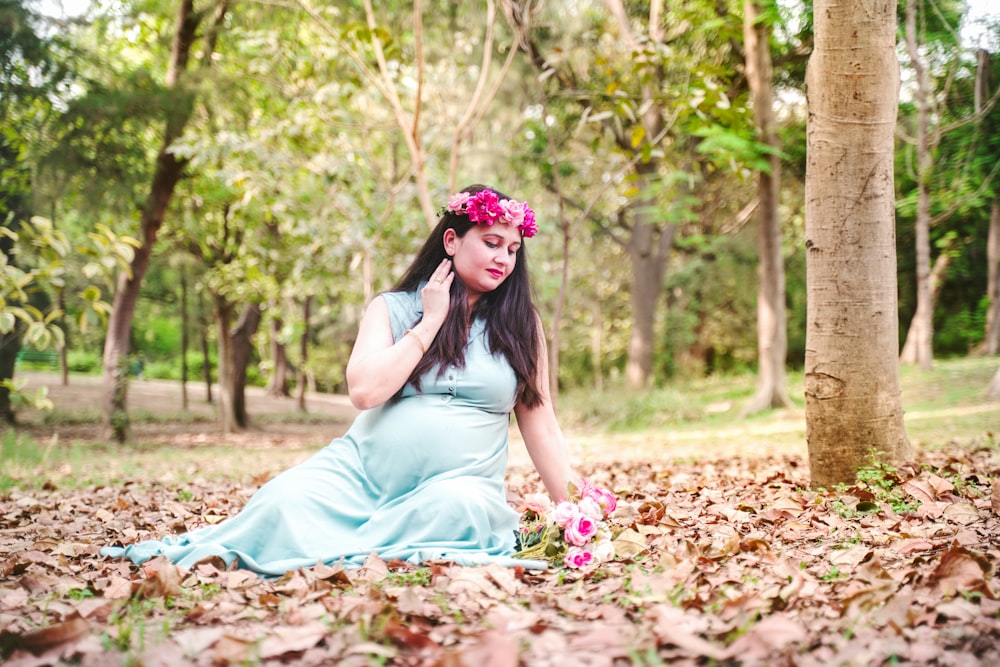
{"type": "Point", "coordinates": [486, 207]}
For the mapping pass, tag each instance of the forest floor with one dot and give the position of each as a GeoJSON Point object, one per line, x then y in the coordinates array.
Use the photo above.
{"type": "Point", "coordinates": [731, 559]}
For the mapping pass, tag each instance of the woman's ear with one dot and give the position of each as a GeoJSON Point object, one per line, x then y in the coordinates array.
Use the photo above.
{"type": "Point", "coordinates": [450, 238]}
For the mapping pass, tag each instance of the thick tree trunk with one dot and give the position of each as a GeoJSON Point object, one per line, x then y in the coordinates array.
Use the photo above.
{"type": "Point", "coordinates": [854, 411]}
{"type": "Point", "coordinates": [991, 341]}
{"type": "Point", "coordinates": [772, 335]}
{"type": "Point", "coordinates": [918, 348]}
{"type": "Point", "coordinates": [993, 391]}
{"type": "Point", "coordinates": [167, 173]}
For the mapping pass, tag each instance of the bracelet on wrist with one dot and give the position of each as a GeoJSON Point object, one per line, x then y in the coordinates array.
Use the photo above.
{"type": "Point", "coordinates": [420, 342]}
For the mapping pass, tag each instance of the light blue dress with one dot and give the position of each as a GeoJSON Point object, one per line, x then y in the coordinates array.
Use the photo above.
{"type": "Point", "coordinates": [418, 478]}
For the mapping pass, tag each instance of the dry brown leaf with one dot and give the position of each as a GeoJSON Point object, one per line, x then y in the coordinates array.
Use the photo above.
{"type": "Point", "coordinates": [492, 649]}
{"type": "Point", "coordinates": [629, 543]}
{"type": "Point", "coordinates": [292, 639]}
{"type": "Point", "coordinates": [43, 639]}
{"type": "Point", "coordinates": [959, 570]}
{"type": "Point", "coordinates": [772, 634]}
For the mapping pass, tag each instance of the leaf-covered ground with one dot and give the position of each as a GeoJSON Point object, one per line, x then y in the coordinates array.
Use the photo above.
{"type": "Point", "coordinates": [740, 565]}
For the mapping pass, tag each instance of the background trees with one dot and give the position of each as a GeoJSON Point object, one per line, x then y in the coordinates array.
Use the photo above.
{"type": "Point", "coordinates": [290, 159]}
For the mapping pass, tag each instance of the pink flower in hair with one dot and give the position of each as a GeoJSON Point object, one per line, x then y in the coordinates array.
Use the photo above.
{"type": "Point", "coordinates": [456, 203]}
{"type": "Point", "coordinates": [484, 207]}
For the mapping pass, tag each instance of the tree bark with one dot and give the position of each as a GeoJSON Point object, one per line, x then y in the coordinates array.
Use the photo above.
{"type": "Point", "coordinates": [649, 248]}
{"type": "Point", "coordinates": [772, 335]}
{"type": "Point", "coordinates": [184, 339]}
{"type": "Point", "coordinates": [304, 354]}
{"type": "Point", "coordinates": [918, 348]}
{"type": "Point", "coordinates": [854, 413]}
{"type": "Point", "coordinates": [993, 391]}
{"type": "Point", "coordinates": [235, 347]}
{"type": "Point", "coordinates": [278, 384]}
{"type": "Point", "coordinates": [991, 341]}
{"type": "Point", "coordinates": [167, 173]}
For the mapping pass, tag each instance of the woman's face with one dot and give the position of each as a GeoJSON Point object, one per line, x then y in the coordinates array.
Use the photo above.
{"type": "Point", "coordinates": [484, 257]}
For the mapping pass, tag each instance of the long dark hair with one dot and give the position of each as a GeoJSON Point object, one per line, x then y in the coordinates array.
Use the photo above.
{"type": "Point", "coordinates": [509, 315]}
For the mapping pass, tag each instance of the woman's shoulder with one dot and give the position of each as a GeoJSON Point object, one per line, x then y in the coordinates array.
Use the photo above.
{"type": "Point", "coordinates": [405, 308]}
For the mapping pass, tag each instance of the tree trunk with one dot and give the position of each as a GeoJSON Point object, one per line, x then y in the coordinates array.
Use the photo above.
{"type": "Point", "coordinates": [166, 174]}
{"type": "Point", "coordinates": [206, 359]}
{"type": "Point", "coordinates": [235, 347]}
{"type": "Point", "coordinates": [649, 248]}
{"type": "Point", "coordinates": [184, 339]}
{"type": "Point", "coordinates": [854, 411]}
{"type": "Point", "coordinates": [918, 348]}
{"type": "Point", "coordinates": [772, 335]}
{"type": "Point", "coordinates": [10, 346]}
{"type": "Point", "coordinates": [304, 354]}
{"type": "Point", "coordinates": [278, 384]}
{"type": "Point", "coordinates": [991, 341]}
{"type": "Point", "coordinates": [993, 391]}
{"type": "Point", "coordinates": [242, 349]}
{"type": "Point", "coordinates": [934, 282]}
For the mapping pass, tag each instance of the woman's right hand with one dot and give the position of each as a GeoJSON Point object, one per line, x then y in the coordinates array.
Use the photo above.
{"type": "Point", "coordinates": [436, 294]}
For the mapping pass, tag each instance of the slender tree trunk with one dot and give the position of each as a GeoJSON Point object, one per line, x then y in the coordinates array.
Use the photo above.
{"type": "Point", "coordinates": [64, 350]}
{"type": "Point", "coordinates": [184, 339]}
{"type": "Point", "coordinates": [991, 341]}
{"type": "Point", "coordinates": [597, 344]}
{"type": "Point", "coordinates": [10, 346]}
{"type": "Point", "coordinates": [935, 280]}
{"type": "Point", "coordinates": [167, 173]}
{"type": "Point", "coordinates": [223, 312]}
{"type": "Point", "coordinates": [918, 348]}
{"type": "Point", "coordinates": [206, 359]}
{"type": "Point", "coordinates": [649, 248]}
{"type": "Point", "coordinates": [235, 347]}
{"type": "Point", "coordinates": [854, 408]}
{"type": "Point", "coordinates": [772, 335]}
{"type": "Point", "coordinates": [278, 384]}
{"type": "Point", "coordinates": [304, 354]}
{"type": "Point", "coordinates": [242, 350]}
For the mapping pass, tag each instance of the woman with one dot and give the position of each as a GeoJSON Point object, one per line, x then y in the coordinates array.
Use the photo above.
{"type": "Point", "coordinates": [439, 363]}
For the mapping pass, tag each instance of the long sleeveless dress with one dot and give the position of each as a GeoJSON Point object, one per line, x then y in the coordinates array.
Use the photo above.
{"type": "Point", "coordinates": [418, 478]}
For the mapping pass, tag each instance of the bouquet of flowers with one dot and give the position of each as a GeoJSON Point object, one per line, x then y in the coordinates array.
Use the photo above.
{"type": "Point", "coordinates": [575, 532]}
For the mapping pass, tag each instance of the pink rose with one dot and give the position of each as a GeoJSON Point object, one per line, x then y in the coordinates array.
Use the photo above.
{"type": "Point", "coordinates": [564, 513]}
{"type": "Point", "coordinates": [577, 557]}
{"type": "Point", "coordinates": [513, 211]}
{"type": "Point", "coordinates": [603, 497]}
{"type": "Point", "coordinates": [538, 503]}
{"type": "Point", "coordinates": [580, 530]}
{"type": "Point", "coordinates": [457, 201]}
{"type": "Point", "coordinates": [591, 508]}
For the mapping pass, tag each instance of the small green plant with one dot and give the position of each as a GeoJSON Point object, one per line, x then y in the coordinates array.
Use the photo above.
{"type": "Point", "coordinates": [185, 495]}
{"type": "Point", "coordinates": [80, 593]}
{"type": "Point", "coordinates": [418, 577]}
{"type": "Point", "coordinates": [833, 574]}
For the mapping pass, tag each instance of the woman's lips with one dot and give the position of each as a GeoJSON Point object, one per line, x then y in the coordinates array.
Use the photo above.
{"type": "Point", "coordinates": [495, 273]}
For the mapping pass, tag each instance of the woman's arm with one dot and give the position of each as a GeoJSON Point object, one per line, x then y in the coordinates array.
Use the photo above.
{"type": "Point", "coordinates": [541, 433]}
{"type": "Point", "coordinates": [379, 367]}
